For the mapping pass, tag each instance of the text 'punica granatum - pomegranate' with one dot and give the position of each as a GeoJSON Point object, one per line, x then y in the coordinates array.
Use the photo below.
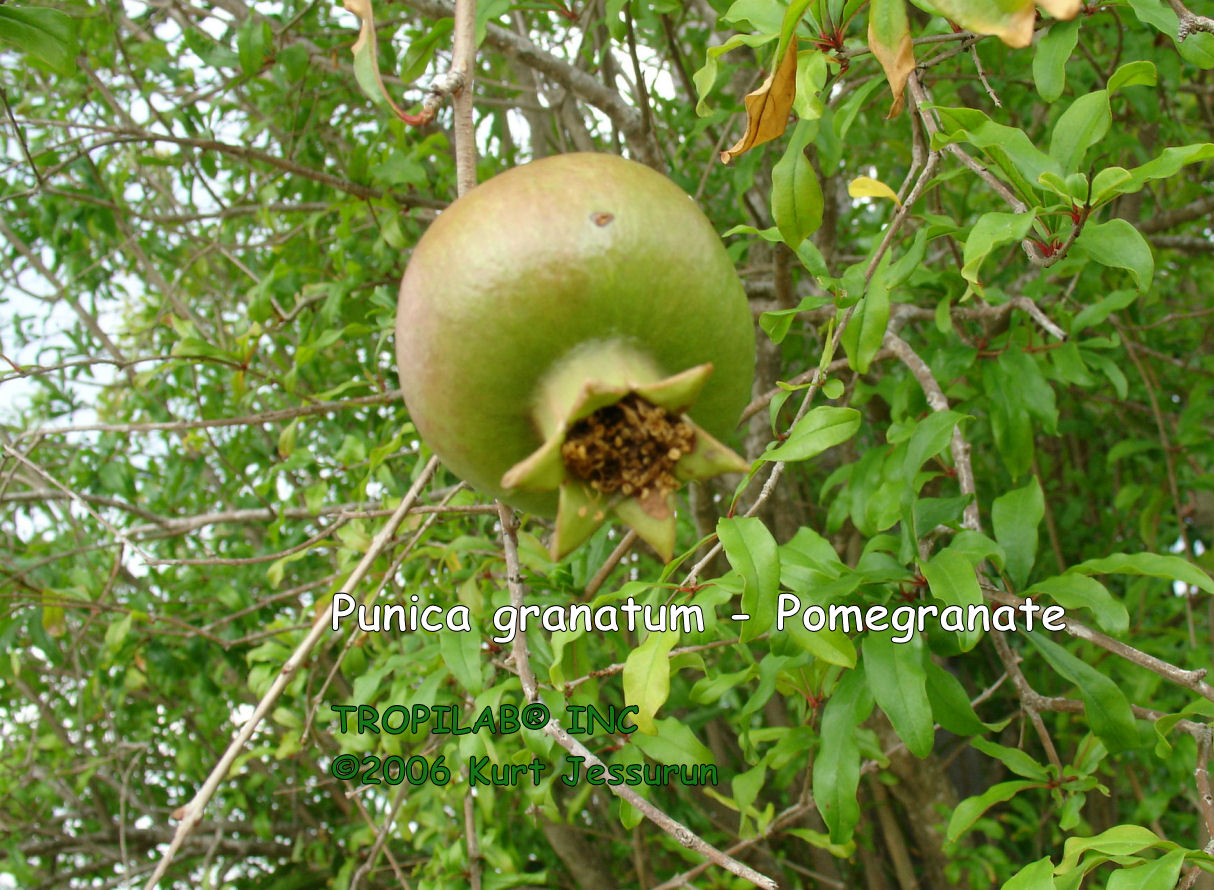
{"type": "Point", "coordinates": [572, 338]}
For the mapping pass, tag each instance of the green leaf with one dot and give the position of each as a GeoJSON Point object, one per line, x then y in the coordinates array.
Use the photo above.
{"type": "Point", "coordinates": [971, 809]}
{"type": "Point", "coordinates": [812, 72]}
{"type": "Point", "coordinates": [992, 230]}
{"type": "Point", "coordinates": [899, 685]}
{"type": "Point", "coordinates": [1197, 48]}
{"type": "Point", "coordinates": [1161, 874]}
{"type": "Point", "coordinates": [1121, 840]}
{"type": "Point", "coordinates": [417, 57]}
{"type": "Point", "coordinates": [1154, 565]}
{"type": "Point", "coordinates": [1011, 148]}
{"type": "Point", "coordinates": [931, 436]}
{"type": "Point", "coordinates": [614, 15]}
{"type": "Point", "coordinates": [777, 323]}
{"type": "Point", "coordinates": [752, 551]}
{"type": "Point", "coordinates": [1107, 183]}
{"type": "Point", "coordinates": [1010, 423]}
{"type": "Point", "coordinates": [1131, 74]}
{"type": "Point", "coordinates": [837, 766]}
{"type": "Point", "coordinates": [488, 11]}
{"type": "Point", "coordinates": [1109, 368]}
{"type": "Point", "coordinates": [1049, 62]}
{"type": "Point", "coordinates": [1118, 244]}
{"type": "Point", "coordinates": [1015, 517]}
{"type": "Point", "coordinates": [761, 15]}
{"type": "Point", "coordinates": [1076, 591]}
{"type": "Point", "coordinates": [1014, 759]}
{"type": "Point", "coordinates": [770, 670]}
{"type": "Point", "coordinates": [1030, 391]}
{"type": "Point", "coordinates": [46, 34]}
{"type": "Point", "coordinates": [747, 785]}
{"type": "Point", "coordinates": [711, 688]}
{"type": "Point", "coordinates": [830, 646]}
{"type": "Point", "coordinates": [1168, 164]}
{"type": "Point", "coordinates": [462, 654]}
{"type": "Point", "coordinates": [674, 742]}
{"type": "Point", "coordinates": [1080, 127]}
{"type": "Point", "coordinates": [1037, 875]}
{"type": "Point", "coordinates": [286, 439]}
{"type": "Point", "coordinates": [647, 677]}
{"type": "Point", "coordinates": [796, 194]}
{"type": "Point", "coordinates": [366, 61]}
{"type": "Point", "coordinates": [1095, 313]}
{"type": "Point", "coordinates": [821, 428]}
{"type": "Point", "coordinates": [975, 547]}
{"type": "Point", "coordinates": [822, 841]}
{"type": "Point", "coordinates": [1107, 709]}
{"type": "Point", "coordinates": [951, 706]}
{"type": "Point", "coordinates": [788, 26]}
{"type": "Point", "coordinates": [706, 76]}
{"type": "Point", "coordinates": [951, 578]}
{"type": "Point", "coordinates": [866, 331]}
{"type": "Point", "coordinates": [251, 39]}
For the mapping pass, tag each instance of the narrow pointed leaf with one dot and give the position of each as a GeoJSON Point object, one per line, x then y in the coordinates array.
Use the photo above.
{"type": "Point", "coordinates": [971, 809]}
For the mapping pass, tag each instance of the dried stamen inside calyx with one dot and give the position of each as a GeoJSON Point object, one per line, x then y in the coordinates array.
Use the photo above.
{"type": "Point", "coordinates": [631, 446]}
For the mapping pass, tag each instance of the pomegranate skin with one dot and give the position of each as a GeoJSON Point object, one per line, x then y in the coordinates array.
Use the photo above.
{"type": "Point", "coordinates": [535, 264]}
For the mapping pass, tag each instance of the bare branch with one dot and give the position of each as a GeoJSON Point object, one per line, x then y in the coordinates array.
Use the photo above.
{"type": "Point", "coordinates": [958, 447]}
{"type": "Point", "coordinates": [1189, 22]}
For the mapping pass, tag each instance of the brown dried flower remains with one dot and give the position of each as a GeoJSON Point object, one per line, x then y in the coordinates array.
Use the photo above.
{"type": "Point", "coordinates": [630, 447]}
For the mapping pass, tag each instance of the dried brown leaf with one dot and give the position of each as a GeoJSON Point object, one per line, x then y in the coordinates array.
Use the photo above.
{"type": "Point", "coordinates": [767, 107]}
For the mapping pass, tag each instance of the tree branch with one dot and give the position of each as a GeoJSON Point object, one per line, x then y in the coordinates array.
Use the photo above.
{"type": "Point", "coordinates": [624, 116]}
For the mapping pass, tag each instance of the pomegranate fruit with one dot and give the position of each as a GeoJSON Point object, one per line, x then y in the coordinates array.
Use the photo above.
{"type": "Point", "coordinates": [572, 338]}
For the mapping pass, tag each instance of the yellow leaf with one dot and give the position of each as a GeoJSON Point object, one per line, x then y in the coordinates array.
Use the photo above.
{"type": "Point", "coordinates": [1009, 20]}
{"type": "Point", "coordinates": [1061, 9]}
{"type": "Point", "coordinates": [866, 187]}
{"type": "Point", "coordinates": [767, 107]}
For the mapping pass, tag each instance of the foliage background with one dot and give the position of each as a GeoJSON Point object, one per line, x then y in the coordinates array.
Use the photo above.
{"type": "Point", "coordinates": [204, 221]}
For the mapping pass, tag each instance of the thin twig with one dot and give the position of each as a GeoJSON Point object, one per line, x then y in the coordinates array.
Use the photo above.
{"type": "Point", "coordinates": [982, 77]}
{"type": "Point", "coordinates": [173, 426]}
{"type": "Point", "coordinates": [958, 446]}
{"type": "Point", "coordinates": [1192, 680]}
{"type": "Point", "coordinates": [8, 109]}
{"type": "Point", "coordinates": [609, 564]}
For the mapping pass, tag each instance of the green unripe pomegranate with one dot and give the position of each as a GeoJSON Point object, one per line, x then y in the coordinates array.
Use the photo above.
{"type": "Point", "coordinates": [572, 338]}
